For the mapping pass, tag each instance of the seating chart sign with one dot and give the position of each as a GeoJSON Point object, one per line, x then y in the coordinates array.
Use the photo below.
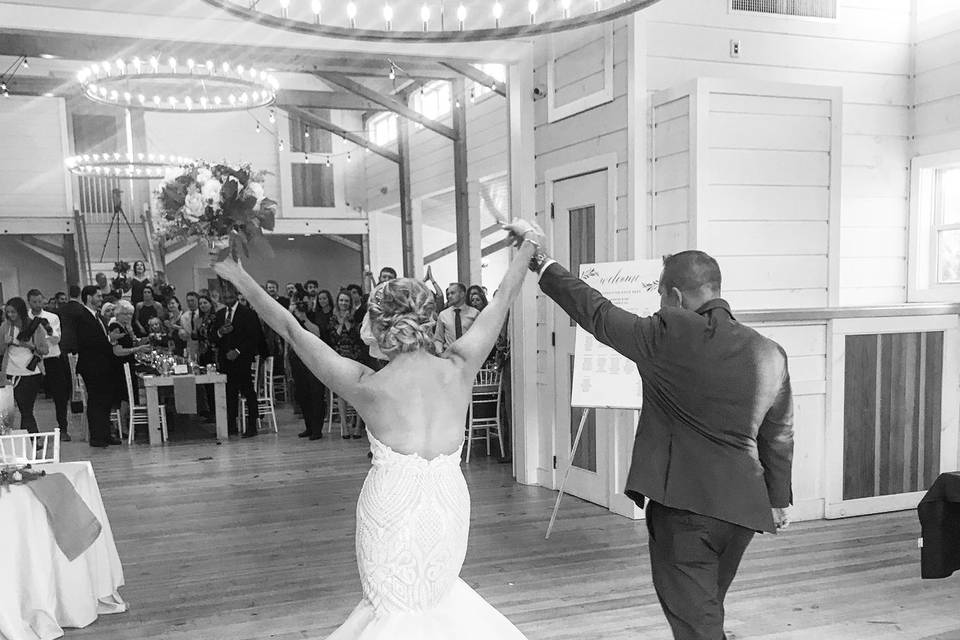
{"type": "Point", "coordinates": [603, 378]}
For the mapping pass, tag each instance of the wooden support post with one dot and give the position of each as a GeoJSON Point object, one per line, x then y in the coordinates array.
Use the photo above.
{"type": "Point", "coordinates": [460, 170]}
{"type": "Point", "coordinates": [406, 198]}
{"type": "Point", "coordinates": [474, 232]}
{"type": "Point", "coordinates": [71, 265]}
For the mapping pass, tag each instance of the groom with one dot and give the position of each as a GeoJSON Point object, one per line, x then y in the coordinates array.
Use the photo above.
{"type": "Point", "coordinates": [714, 447]}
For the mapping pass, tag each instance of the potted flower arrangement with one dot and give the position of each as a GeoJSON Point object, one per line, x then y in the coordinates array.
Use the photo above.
{"type": "Point", "coordinates": [224, 206]}
{"type": "Point", "coordinates": [120, 282]}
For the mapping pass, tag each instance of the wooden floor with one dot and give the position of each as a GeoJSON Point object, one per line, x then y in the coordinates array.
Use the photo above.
{"type": "Point", "coordinates": [253, 539]}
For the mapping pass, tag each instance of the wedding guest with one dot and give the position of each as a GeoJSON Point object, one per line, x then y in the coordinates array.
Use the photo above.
{"type": "Point", "coordinates": [236, 332]}
{"type": "Point", "coordinates": [292, 290]}
{"type": "Point", "coordinates": [437, 291]}
{"type": "Point", "coordinates": [56, 367]}
{"type": "Point", "coordinates": [24, 344]}
{"type": "Point", "coordinates": [138, 281]}
{"type": "Point", "coordinates": [345, 339]}
{"type": "Point", "coordinates": [357, 302]}
{"type": "Point", "coordinates": [125, 348]}
{"type": "Point", "coordinates": [102, 284]}
{"type": "Point", "coordinates": [206, 352]}
{"type": "Point", "coordinates": [215, 299]}
{"type": "Point", "coordinates": [456, 319]}
{"type": "Point", "coordinates": [70, 313]}
{"type": "Point", "coordinates": [323, 309]}
{"type": "Point", "coordinates": [272, 287]}
{"type": "Point", "coordinates": [310, 393]}
{"type": "Point", "coordinates": [157, 335]}
{"type": "Point", "coordinates": [172, 326]}
{"type": "Point", "coordinates": [96, 364]}
{"type": "Point", "coordinates": [476, 297]}
{"type": "Point", "coordinates": [190, 325]}
{"type": "Point", "coordinates": [107, 311]}
{"type": "Point", "coordinates": [146, 309]}
{"type": "Point", "coordinates": [312, 286]}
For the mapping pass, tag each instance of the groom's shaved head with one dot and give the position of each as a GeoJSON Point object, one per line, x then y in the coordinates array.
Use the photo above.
{"type": "Point", "coordinates": [691, 272]}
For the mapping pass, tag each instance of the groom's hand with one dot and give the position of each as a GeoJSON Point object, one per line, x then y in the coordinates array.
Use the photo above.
{"type": "Point", "coordinates": [781, 518]}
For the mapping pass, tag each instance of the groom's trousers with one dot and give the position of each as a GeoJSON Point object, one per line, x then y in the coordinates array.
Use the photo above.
{"type": "Point", "coordinates": [694, 559]}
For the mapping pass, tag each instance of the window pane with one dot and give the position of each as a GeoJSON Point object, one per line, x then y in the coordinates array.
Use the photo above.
{"type": "Point", "coordinates": [948, 256]}
{"type": "Point", "coordinates": [949, 187]}
{"type": "Point", "coordinates": [312, 185]}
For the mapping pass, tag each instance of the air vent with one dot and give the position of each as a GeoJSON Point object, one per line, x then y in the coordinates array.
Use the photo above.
{"type": "Point", "coordinates": [804, 8]}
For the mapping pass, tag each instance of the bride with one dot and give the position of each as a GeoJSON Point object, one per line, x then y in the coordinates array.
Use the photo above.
{"type": "Point", "coordinates": [413, 514]}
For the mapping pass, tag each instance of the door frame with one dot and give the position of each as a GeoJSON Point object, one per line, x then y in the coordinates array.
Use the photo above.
{"type": "Point", "coordinates": [550, 477]}
{"type": "Point", "coordinates": [835, 506]}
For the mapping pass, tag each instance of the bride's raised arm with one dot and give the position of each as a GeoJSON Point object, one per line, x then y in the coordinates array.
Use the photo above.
{"type": "Point", "coordinates": [340, 374]}
{"type": "Point", "coordinates": [474, 346]}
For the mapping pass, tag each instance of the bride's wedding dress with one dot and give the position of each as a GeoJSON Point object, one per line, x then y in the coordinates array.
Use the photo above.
{"type": "Point", "coordinates": [413, 517]}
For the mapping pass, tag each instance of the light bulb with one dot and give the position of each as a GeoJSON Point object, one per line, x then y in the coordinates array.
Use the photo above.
{"type": "Point", "coordinates": [392, 75]}
{"type": "Point", "coordinates": [172, 100]}
{"type": "Point", "coordinates": [348, 157]}
{"type": "Point", "coordinates": [316, 6]}
{"type": "Point", "coordinates": [136, 64]}
{"type": "Point", "coordinates": [226, 67]}
{"type": "Point", "coordinates": [532, 7]}
{"type": "Point", "coordinates": [306, 132]}
{"type": "Point", "coordinates": [565, 4]}
{"type": "Point", "coordinates": [172, 63]}
{"type": "Point", "coordinates": [232, 99]}
{"type": "Point", "coordinates": [328, 161]}
{"type": "Point", "coordinates": [203, 101]}
{"type": "Point", "coordinates": [96, 69]}
{"type": "Point", "coordinates": [497, 11]}
{"type": "Point", "coordinates": [127, 96]}
{"type": "Point", "coordinates": [154, 62]}
{"type": "Point", "coordinates": [106, 67]}
{"type": "Point", "coordinates": [156, 100]}
{"type": "Point", "coordinates": [240, 69]}
{"type": "Point", "coordinates": [425, 15]}
{"type": "Point", "coordinates": [256, 96]}
{"type": "Point", "coordinates": [209, 66]}
{"type": "Point", "coordinates": [258, 126]}
{"type": "Point", "coordinates": [272, 116]}
{"type": "Point", "coordinates": [284, 4]}
{"type": "Point", "coordinates": [121, 65]}
{"type": "Point", "coordinates": [189, 102]}
{"type": "Point", "coordinates": [306, 157]}
{"type": "Point", "coordinates": [190, 64]}
{"type": "Point", "coordinates": [253, 73]}
{"type": "Point", "coordinates": [352, 14]}
{"type": "Point", "coordinates": [217, 101]}
{"type": "Point", "coordinates": [388, 15]}
{"type": "Point", "coordinates": [461, 15]}
{"type": "Point", "coordinates": [26, 63]}
{"type": "Point", "coordinates": [280, 146]}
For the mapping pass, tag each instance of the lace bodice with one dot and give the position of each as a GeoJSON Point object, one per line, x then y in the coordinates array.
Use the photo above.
{"type": "Point", "coordinates": [413, 517]}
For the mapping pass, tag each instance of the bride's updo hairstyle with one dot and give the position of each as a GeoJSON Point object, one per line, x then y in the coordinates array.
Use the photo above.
{"type": "Point", "coordinates": [403, 315]}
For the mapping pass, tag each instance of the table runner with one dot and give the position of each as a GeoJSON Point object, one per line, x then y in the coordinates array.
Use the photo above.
{"type": "Point", "coordinates": [74, 526]}
{"type": "Point", "coordinates": [185, 394]}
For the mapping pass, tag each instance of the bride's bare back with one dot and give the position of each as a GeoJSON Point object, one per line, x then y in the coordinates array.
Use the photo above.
{"type": "Point", "coordinates": [417, 404]}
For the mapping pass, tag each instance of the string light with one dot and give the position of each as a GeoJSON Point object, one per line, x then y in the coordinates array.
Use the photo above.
{"type": "Point", "coordinates": [388, 16]}
{"type": "Point", "coordinates": [328, 163]}
{"type": "Point", "coordinates": [565, 5]}
{"type": "Point", "coordinates": [532, 6]}
{"type": "Point", "coordinates": [461, 15]}
{"type": "Point", "coordinates": [425, 16]}
{"type": "Point", "coordinates": [306, 157]}
{"type": "Point", "coordinates": [316, 11]}
{"type": "Point", "coordinates": [497, 13]}
{"type": "Point", "coordinates": [258, 126]}
{"type": "Point", "coordinates": [272, 116]}
{"type": "Point", "coordinates": [280, 146]}
{"type": "Point", "coordinates": [126, 165]}
{"type": "Point", "coordinates": [248, 86]}
{"type": "Point", "coordinates": [284, 7]}
{"type": "Point", "coordinates": [26, 63]}
{"type": "Point", "coordinates": [352, 14]}
{"type": "Point", "coordinates": [306, 131]}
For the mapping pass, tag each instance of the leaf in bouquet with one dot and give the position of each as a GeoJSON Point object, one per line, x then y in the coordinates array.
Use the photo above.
{"type": "Point", "coordinates": [228, 192]}
{"type": "Point", "coordinates": [268, 214]}
{"type": "Point", "coordinates": [246, 204]}
{"type": "Point", "coordinates": [259, 245]}
{"type": "Point", "coordinates": [238, 243]}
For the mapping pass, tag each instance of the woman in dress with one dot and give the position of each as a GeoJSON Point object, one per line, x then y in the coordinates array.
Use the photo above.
{"type": "Point", "coordinates": [172, 326]}
{"type": "Point", "coordinates": [324, 309]}
{"type": "Point", "coordinates": [413, 515]}
{"type": "Point", "coordinates": [144, 310]}
{"type": "Point", "coordinates": [344, 337]}
{"type": "Point", "coordinates": [138, 282]}
{"type": "Point", "coordinates": [207, 355]}
{"type": "Point", "coordinates": [126, 346]}
{"type": "Point", "coordinates": [23, 343]}
{"type": "Point", "coordinates": [476, 298]}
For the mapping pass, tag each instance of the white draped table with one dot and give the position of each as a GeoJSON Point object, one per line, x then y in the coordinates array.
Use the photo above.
{"type": "Point", "coordinates": [41, 592]}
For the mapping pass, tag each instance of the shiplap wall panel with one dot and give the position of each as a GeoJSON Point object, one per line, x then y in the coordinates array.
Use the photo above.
{"type": "Point", "coordinates": [764, 203]}
{"type": "Point", "coordinates": [671, 136]}
{"type": "Point", "coordinates": [754, 131]}
{"type": "Point", "coordinates": [776, 298]}
{"type": "Point", "coordinates": [768, 167]}
{"type": "Point", "coordinates": [671, 206]}
{"type": "Point", "coordinates": [766, 238]}
{"type": "Point", "coordinates": [937, 114]}
{"type": "Point", "coordinates": [866, 51]}
{"type": "Point", "coordinates": [672, 171]}
{"type": "Point", "coordinates": [32, 175]}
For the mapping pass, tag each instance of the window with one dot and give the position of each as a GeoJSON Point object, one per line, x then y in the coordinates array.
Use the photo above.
{"type": "Point", "coordinates": [382, 129]}
{"type": "Point", "coordinates": [805, 8]}
{"type": "Point", "coordinates": [496, 71]}
{"type": "Point", "coordinates": [433, 100]}
{"type": "Point", "coordinates": [935, 228]}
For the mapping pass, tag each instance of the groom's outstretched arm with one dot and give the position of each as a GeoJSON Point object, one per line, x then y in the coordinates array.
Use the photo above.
{"type": "Point", "coordinates": [630, 335]}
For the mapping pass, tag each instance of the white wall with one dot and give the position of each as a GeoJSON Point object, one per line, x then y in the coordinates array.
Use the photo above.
{"type": "Point", "coordinates": [866, 52]}
{"type": "Point", "coordinates": [937, 83]}
{"type": "Point", "coordinates": [33, 179]}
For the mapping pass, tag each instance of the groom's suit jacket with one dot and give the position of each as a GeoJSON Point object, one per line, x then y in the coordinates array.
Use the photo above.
{"type": "Point", "coordinates": [716, 428]}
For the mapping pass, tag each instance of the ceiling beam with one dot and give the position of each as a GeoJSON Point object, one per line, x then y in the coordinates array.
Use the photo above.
{"type": "Point", "coordinates": [472, 73]}
{"type": "Point", "coordinates": [85, 47]}
{"type": "Point", "coordinates": [387, 102]}
{"type": "Point", "coordinates": [326, 125]}
{"type": "Point", "coordinates": [324, 100]}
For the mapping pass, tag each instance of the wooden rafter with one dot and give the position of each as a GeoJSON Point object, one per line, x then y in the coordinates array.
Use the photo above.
{"type": "Point", "coordinates": [326, 125]}
{"type": "Point", "coordinates": [324, 100]}
{"type": "Point", "coordinates": [471, 72]}
{"type": "Point", "coordinates": [387, 102]}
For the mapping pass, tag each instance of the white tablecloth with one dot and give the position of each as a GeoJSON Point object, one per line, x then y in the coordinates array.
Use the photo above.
{"type": "Point", "coordinates": [40, 590]}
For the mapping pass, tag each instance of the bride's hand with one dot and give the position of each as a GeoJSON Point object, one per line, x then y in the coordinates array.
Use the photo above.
{"type": "Point", "coordinates": [226, 268]}
{"type": "Point", "coordinates": [521, 229]}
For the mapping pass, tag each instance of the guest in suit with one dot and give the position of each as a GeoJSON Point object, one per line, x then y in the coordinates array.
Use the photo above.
{"type": "Point", "coordinates": [70, 314]}
{"type": "Point", "coordinates": [714, 447]}
{"type": "Point", "coordinates": [97, 364]}
{"type": "Point", "coordinates": [236, 333]}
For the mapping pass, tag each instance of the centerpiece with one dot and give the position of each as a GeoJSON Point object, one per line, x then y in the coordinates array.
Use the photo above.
{"type": "Point", "coordinates": [17, 474]}
{"type": "Point", "coordinates": [221, 205]}
{"type": "Point", "coordinates": [120, 282]}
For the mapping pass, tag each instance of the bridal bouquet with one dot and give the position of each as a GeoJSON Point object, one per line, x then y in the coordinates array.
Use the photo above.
{"type": "Point", "coordinates": [222, 205]}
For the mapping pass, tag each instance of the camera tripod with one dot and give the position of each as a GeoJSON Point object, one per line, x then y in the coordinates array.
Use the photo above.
{"type": "Point", "coordinates": [118, 215]}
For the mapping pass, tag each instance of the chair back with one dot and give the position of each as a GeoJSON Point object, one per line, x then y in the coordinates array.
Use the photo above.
{"type": "Point", "coordinates": [266, 389]}
{"type": "Point", "coordinates": [129, 380]}
{"type": "Point", "coordinates": [487, 376]}
{"type": "Point", "coordinates": [255, 373]}
{"type": "Point", "coordinates": [30, 448]}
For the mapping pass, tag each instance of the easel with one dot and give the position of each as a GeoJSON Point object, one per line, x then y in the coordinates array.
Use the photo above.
{"type": "Point", "coordinates": [566, 473]}
{"type": "Point", "coordinates": [118, 214]}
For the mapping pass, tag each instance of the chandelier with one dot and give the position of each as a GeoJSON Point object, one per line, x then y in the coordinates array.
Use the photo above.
{"type": "Point", "coordinates": [152, 84]}
{"type": "Point", "coordinates": [142, 166]}
{"type": "Point", "coordinates": [435, 21]}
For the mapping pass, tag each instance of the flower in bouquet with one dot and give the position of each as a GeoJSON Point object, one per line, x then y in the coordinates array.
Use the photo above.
{"type": "Point", "coordinates": [121, 267]}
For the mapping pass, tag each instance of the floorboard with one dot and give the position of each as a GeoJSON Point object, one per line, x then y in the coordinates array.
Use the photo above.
{"type": "Point", "coordinates": [253, 539]}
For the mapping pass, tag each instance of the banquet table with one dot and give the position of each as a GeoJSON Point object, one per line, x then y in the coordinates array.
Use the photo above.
{"type": "Point", "coordinates": [41, 591]}
{"type": "Point", "coordinates": [152, 384]}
